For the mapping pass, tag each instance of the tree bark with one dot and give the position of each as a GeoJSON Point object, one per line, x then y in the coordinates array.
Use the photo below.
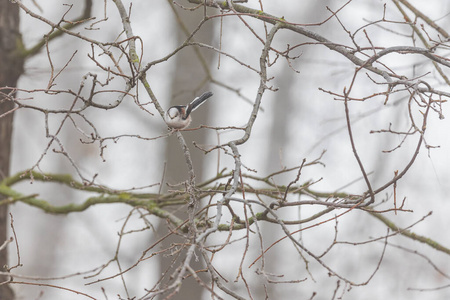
{"type": "Point", "coordinates": [11, 67]}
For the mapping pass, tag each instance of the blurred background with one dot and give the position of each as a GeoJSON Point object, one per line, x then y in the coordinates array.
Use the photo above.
{"type": "Point", "coordinates": [297, 121]}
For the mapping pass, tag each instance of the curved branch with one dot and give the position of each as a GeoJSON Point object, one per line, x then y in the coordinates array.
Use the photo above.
{"type": "Point", "coordinates": [299, 29]}
{"type": "Point", "coordinates": [410, 50]}
{"type": "Point", "coordinates": [262, 83]}
{"type": "Point", "coordinates": [61, 29]}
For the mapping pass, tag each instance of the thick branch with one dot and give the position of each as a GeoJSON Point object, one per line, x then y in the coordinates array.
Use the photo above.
{"type": "Point", "coordinates": [299, 29]}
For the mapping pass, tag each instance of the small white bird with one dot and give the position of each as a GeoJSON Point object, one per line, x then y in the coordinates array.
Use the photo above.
{"type": "Point", "coordinates": [179, 116]}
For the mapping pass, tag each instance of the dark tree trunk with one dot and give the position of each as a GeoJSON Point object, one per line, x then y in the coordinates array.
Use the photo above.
{"type": "Point", "coordinates": [11, 67]}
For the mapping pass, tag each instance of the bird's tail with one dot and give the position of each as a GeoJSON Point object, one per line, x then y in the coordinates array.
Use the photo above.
{"type": "Point", "coordinates": [197, 102]}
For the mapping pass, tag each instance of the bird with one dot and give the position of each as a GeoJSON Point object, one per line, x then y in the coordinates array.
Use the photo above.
{"type": "Point", "coordinates": [179, 116]}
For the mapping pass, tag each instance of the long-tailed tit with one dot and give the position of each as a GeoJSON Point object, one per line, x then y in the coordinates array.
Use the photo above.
{"type": "Point", "coordinates": [179, 116]}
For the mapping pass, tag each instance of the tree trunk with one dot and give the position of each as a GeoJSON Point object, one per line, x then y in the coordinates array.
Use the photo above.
{"type": "Point", "coordinates": [186, 85]}
{"type": "Point", "coordinates": [11, 67]}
